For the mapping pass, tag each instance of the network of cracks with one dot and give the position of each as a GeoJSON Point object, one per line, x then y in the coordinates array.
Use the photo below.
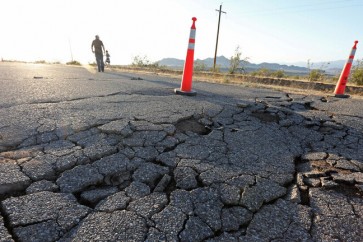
{"type": "Point", "coordinates": [276, 169]}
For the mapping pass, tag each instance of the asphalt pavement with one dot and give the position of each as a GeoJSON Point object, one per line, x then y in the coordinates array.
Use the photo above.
{"type": "Point", "coordinates": [88, 156]}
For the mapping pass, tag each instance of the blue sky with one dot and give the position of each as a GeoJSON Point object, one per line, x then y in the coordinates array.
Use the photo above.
{"type": "Point", "coordinates": [283, 31]}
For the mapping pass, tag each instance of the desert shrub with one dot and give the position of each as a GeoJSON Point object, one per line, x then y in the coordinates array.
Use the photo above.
{"type": "Point", "coordinates": [74, 63]}
{"type": "Point", "coordinates": [262, 72]}
{"type": "Point", "coordinates": [357, 73]}
{"type": "Point", "coordinates": [237, 63]}
{"type": "Point", "coordinates": [279, 74]}
{"type": "Point", "coordinates": [40, 62]}
{"type": "Point", "coordinates": [316, 75]}
{"type": "Point", "coordinates": [143, 61]}
{"type": "Point", "coordinates": [200, 66]}
{"type": "Point", "coordinates": [357, 76]}
{"type": "Point", "coordinates": [140, 61]}
{"type": "Point", "coordinates": [217, 69]}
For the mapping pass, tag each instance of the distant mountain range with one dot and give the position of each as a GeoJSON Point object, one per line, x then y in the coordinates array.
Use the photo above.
{"type": "Point", "coordinates": [224, 64]}
{"type": "Point", "coordinates": [332, 67]}
{"type": "Point", "coordinates": [321, 65]}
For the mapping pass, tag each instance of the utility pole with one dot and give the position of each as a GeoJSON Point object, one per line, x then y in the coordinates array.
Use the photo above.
{"type": "Point", "coordinates": [219, 21]}
{"type": "Point", "coordinates": [70, 48]}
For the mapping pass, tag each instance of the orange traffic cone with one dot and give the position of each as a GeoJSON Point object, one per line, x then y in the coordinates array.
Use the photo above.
{"type": "Point", "coordinates": [343, 79]}
{"type": "Point", "coordinates": [186, 84]}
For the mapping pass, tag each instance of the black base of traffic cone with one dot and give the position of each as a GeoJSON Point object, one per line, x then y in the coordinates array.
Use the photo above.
{"type": "Point", "coordinates": [342, 95]}
{"type": "Point", "coordinates": [191, 93]}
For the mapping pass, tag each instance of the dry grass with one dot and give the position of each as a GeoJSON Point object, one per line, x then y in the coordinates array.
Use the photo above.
{"type": "Point", "coordinates": [240, 80]}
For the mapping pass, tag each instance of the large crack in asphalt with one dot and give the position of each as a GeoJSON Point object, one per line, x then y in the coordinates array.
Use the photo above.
{"type": "Point", "coordinates": [141, 145]}
{"type": "Point", "coordinates": [49, 101]}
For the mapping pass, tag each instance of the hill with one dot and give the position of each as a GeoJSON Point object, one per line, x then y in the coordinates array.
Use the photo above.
{"type": "Point", "coordinates": [331, 67]}
{"type": "Point", "coordinates": [224, 64]}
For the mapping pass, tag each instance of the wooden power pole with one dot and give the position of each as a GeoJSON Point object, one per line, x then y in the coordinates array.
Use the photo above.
{"type": "Point", "coordinates": [70, 48]}
{"type": "Point", "coordinates": [219, 21]}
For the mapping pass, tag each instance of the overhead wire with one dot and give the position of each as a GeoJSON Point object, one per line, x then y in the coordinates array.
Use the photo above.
{"type": "Point", "coordinates": [305, 8]}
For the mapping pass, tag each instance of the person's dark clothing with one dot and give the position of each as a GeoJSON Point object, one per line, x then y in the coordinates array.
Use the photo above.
{"type": "Point", "coordinates": [100, 63]}
{"type": "Point", "coordinates": [98, 45]}
{"type": "Point", "coordinates": [98, 50]}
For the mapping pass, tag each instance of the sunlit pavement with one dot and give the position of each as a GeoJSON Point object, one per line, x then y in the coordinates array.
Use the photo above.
{"type": "Point", "coordinates": [88, 156]}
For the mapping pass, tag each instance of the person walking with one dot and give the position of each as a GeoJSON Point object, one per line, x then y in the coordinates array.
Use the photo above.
{"type": "Point", "coordinates": [107, 58]}
{"type": "Point", "coordinates": [98, 49]}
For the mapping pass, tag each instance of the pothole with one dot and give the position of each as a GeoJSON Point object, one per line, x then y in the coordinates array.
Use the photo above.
{"type": "Point", "coordinates": [266, 117]}
{"type": "Point", "coordinates": [308, 106]}
{"type": "Point", "coordinates": [192, 125]}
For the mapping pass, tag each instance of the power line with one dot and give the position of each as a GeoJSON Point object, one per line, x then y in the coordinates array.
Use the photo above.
{"type": "Point", "coordinates": [304, 8]}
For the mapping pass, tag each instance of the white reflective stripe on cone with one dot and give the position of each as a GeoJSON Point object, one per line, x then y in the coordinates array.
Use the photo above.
{"type": "Point", "coordinates": [192, 34]}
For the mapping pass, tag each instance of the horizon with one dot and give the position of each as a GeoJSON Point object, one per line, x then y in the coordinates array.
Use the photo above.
{"type": "Point", "coordinates": [279, 32]}
{"type": "Point", "coordinates": [298, 63]}
{"type": "Point", "coordinates": [323, 65]}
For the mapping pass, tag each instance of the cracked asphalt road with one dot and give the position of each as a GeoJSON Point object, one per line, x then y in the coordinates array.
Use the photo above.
{"type": "Point", "coordinates": [116, 156]}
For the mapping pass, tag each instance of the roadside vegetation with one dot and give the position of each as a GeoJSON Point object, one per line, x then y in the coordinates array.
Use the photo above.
{"type": "Point", "coordinates": [46, 62]}
{"type": "Point", "coordinates": [237, 64]}
{"type": "Point", "coordinates": [74, 63]}
{"type": "Point", "coordinates": [34, 62]}
{"type": "Point", "coordinates": [200, 66]}
{"type": "Point", "coordinates": [143, 61]}
{"type": "Point", "coordinates": [40, 62]}
{"type": "Point", "coordinates": [264, 72]}
{"type": "Point", "coordinates": [12, 61]}
{"type": "Point", "coordinates": [316, 74]}
{"type": "Point", "coordinates": [237, 69]}
{"type": "Point", "coordinates": [356, 75]}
